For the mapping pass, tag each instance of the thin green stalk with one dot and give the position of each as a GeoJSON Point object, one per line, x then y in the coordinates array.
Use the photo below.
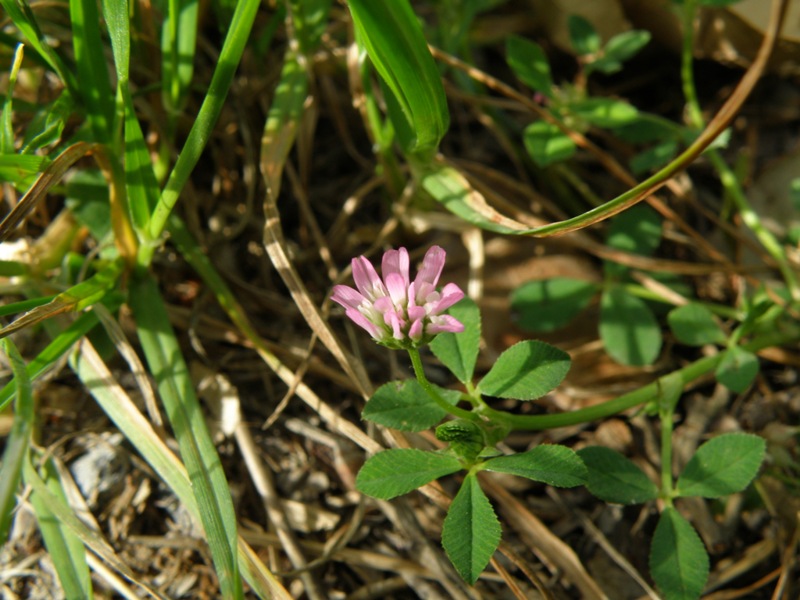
{"type": "Point", "coordinates": [638, 397]}
{"type": "Point", "coordinates": [721, 310]}
{"type": "Point", "coordinates": [667, 486]}
{"type": "Point", "coordinates": [727, 177]}
{"type": "Point", "coordinates": [419, 371]}
{"type": "Point", "coordinates": [229, 58]}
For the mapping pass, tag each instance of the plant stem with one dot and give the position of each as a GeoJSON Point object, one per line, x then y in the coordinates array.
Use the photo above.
{"type": "Point", "coordinates": [419, 371]}
{"type": "Point", "coordinates": [638, 397]}
{"type": "Point", "coordinates": [665, 414]}
{"type": "Point", "coordinates": [727, 177]}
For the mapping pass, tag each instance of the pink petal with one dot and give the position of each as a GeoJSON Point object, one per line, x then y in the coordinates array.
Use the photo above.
{"type": "Point", "coordinates": [394, 321]}
{"type": "Point", "coordinates": [367, 280]}
{"type": "Point", "coordinates": [444, 323]}
{"type": "Point", "coordinates": [347, 296]}
{"type": "Point", "coordinates": [416, 330]}
{"type": "Point", "coordinates": [397, 288]}
{"type": "Point", "coordinates": [450, 295]}
{"type": "Point", "coordinates": [362, 321]}
{"type": "Point", "coordinates": [395, 261]}
{"type": "Point", "coordinates": [432, 266]}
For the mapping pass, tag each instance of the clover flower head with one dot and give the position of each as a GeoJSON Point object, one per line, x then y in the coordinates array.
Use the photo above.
{"type": "Point", "coordinates": [398, 312]}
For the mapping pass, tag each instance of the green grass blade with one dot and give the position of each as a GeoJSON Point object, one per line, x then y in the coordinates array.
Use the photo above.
{"type": "Point", "coordinates": [119, 407]}
{"type": "Point", "coordinates": [200, 133]}
{"type": "Point", "coordinates": [393, 39]}
{"type": "Point", "coordinates": [116, 14]}
{"type": "Point", "coordinates": [69, 536]}
{"type": "Point", "coordinates": [178, 41]}
{"type": "Point", "coordinates": [64, 546]}
{"type": "Point", "coordinates": [166, 363]}
{"type": "Point", "coordinates": [76, 298]}
{"type": "Point", "coordinates": [23, 18]}
{"type": "Point", "coordinates": [52, 352]}
{"type": "Point", "coordinates": [283, 121]}
{"type": "Point", "coordinates": [6, 128]}
{"type": "Point", "coordinates": [17, 441]}
{"type": "Point", "coordinates": [143, 191]}
{"type": "Point", "coordinates": [93, 74]}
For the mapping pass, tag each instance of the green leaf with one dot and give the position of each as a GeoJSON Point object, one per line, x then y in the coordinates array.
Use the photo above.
{"type": "Point", "coordinates": [547, 144]}
{"type": "Point", "coordinates": [678, 559]}
{"type": "Point", "coordinates": [526, 371]}
{"type": "Point", "coordinates": [552, 464]}
{"type": "Point", "coordinates": [18, 440]}
{"type": "Point", "coordinates": [391, 34]}
{"type": "Point", "coordinates": [628, 328]}
{"type": "Point", "coordinates": [21, 169]}
{"type": "Point", "coordinates": [529, 63]}
{"type": "Point", "coordinates": [405, 406]}
{"type": "Point", "coordinates": [63, 545]}
{"type": "Point", "coordinates": [636, 230]}
{"type": "Point", "coordinates": [392, 473]}
{"type": "Point", "coordinates": [95, 84]}
{"type": "Point", "coordinates": [737, 369]}
{"type": "Point", "coordinates": [582, 35]}
{"type": "Point", "coordinates": [653, 158]}
{"type": "Point", "coordinates": [620, 48]}
{"type": "Point", "coordinates": [605, 112]}
{"type": "Point", "coordinates": [466, 439]}
{"type": "Point", "coordinates": [87, 198]}
{"type": "Point", "coordinates": [695, 325]}
{"type": "Point", "coordinates": [614, 478]}
{"type": "Point", "coordinates": [178, 44]}
{"type": "Point", "coordinates": [169, 369]}
{"type": "Point", "coordinates": [205, 119]}
{"type": "Point", "coordinates": [459, 351]}
{"type": "Point", "coordinates": [550, 304]}
{"type": "Point", "coordinates": [142, 185]}
{"type": "Point", "coordinates": [471, 531]}
{"type": "Point", "coordinates": [48, 123]}
{"type": "Point", "coordinates": [723, 465]}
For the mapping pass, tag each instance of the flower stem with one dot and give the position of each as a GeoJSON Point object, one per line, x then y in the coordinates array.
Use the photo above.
{"type": "Point", "coordinates": [429, 388]}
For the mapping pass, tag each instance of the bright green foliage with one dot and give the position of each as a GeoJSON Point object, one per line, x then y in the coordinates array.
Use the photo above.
{"type": "Point", "coordinates": [466, 439]}
{"type": "Point", "coordinates": [62, 543]}
{"type": "Point", "coordinates": [723, 465]}
{"type": "Point", "coordinates": [628, 328]}
{"type": "Point", "coordinates": [605, 112]}
{"type": "Point", "coordinates": [396, 472]}
{"type": "Point", "coordinates": [95, 83]}
{"type": "Point", "coordinates": [678, 559]}
{"type": "Point", "coordinates": [695, 325]}
{"type": "Point", "coordinates": [48, 123]}
{"type": "Point", "coordinates": [552, 464]}
{"type": "Point", "coordinates": [459, 352]}
{"type": "Point", "coordinates": [549, 304]}
{"type": "Point", "coordinates": [393, 39]}
{"type": "Point", "coordinates": [636, 230]}
{"type": "Point", "coordinates": [526, 371]}
{"type": "Point", "coordinates": [18, 440]}
{"type": "Point", "coordinates": [738, 369]}
{"type": "Point", "coordinates": [614, 478]}
{"type": "Point", "coordinates": [582, 35]}
{"type": "Point", "coordinates": [619, 48]}
{"type": "Point", "coordinates": [405, 406]}
{"type": "Point", "coordinates": [547, 143]}
{"type": "Point", "coordinates": [183, 408]}
{"type": "Point", "coordinates": [529, 63]}
{"type": "Point", "coordinates": [471, 531]}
